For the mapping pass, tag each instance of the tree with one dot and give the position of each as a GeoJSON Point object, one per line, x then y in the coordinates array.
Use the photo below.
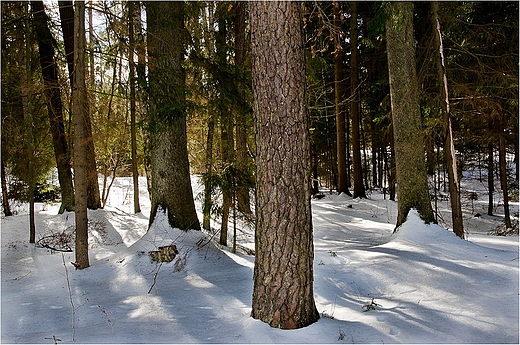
{"type": "Point", "coordinates": [80, 113]}
{"type": "Point", "coordinates": [412, 185]}
{"type": "Point", "coordinates": [339, 94]}
{"type": "Point", "coordinates": [283, 274]}
{"type": "Point", "coordinates": [171, 184]}
{"type": "Point", "coordinates": [53, 99]}
{"type": "Point", "coordinates": [68, 27]}
{"type": "Point", "coordinates": [359, 188]}
{"type": "Point", "coordinates": [132, 14]}
{"type": "Point", "coordinates": [449, 146]}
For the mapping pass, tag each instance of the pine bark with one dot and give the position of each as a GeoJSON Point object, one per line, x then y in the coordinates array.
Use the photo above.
{"type": "Point", "coordinates": [80, 113]}
{"type": "Point", "coordinates": [412, 184]}
{"type": "Point", "coordinates": [171, 183]}
{"type": "Point", "coordinates": [283, 274]}
{"type": "Point", "coordinates": [53, 99]}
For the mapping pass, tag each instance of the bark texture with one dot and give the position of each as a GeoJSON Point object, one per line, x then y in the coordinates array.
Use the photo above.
{"type": "Point", "coordinates": [283, 275]}
{"type": "Point", "coordinates": [412, 183]}
{"type": "Point", "coordinates": [171, 184]}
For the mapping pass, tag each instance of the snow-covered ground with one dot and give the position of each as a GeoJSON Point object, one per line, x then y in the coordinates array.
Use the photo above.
{"type": "Point", "coordinates": [421, 285]}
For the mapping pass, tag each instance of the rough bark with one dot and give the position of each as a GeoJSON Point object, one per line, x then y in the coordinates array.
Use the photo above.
{"type": "Point", "coordinates": [80, 113]}
{"type": "Point", "coordinates": [53, 99]}
{"type": "Point", "coordinates": [171, 184]}
{"type": "Point", "coordinates": [339, 98]}
{"type": "Point", "coordinates": [412, 183]}
{"type": "Point", "coordinates": [449, 147]}
{"type": "Point", "coordinates": [357, 170]}
{"type": "Point", "coordinates": [283, 274]}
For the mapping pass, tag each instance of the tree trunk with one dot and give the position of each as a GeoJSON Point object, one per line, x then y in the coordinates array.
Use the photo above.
{"type": "Point", "coordinates": [208, 188]}
{"type": "Point", "coordinates": [491, 183]}
{"type": "Point", "coordinates": [133, 128]}
{"type": "Point", "coordinates": [5, 196]}
{"type": "Point", "coordinates": [449, 147]}
{"type": "Point", "coordinates": [339, 97]}
{"type": "Point", "coordinates": [27, 105]}
{"type": "Point", "coordinates": [81, 113]}
{"type": "Point", "coordinates": [226, 127]}
{"type": "Point", "coordinates": [503, 170]}
{"type": "Point", "coordinates": [359, 188]}
{"type": "Point", "coordinates": [283, 274]}
{"type": "Point", "coordinates": [412, 183]}
{"type": "Point", "coordinates": [53, 99]}
{"type": "Point", "coordinates": [68, 28]}
{"type": "Point", "coordinates": [242, 158]}
{"type": "Point", "coordinates": [171, 183]}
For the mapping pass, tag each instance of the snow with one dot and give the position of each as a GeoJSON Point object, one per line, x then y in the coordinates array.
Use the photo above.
{"type": "Point", "coordinates": [426, 285]}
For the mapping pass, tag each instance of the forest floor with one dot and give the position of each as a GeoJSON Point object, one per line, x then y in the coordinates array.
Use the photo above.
{"type": "Point", "coordinates": [420, 285]}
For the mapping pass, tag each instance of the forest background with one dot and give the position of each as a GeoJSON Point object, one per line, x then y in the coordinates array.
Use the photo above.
{"type": "Point", "coordinates": [145, 81]}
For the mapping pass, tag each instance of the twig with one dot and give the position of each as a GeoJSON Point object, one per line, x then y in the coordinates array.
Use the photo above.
{"type": "Point", "coordinates": [155, 278]}
{"type": "Point", "coordinates": [70, 298]}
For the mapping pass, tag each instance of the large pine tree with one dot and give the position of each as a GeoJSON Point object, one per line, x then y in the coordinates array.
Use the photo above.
{"type": "Point", "coordinates": [283, 275]}
{"type": "Point", "coordinates": [171, 184]}
{"type": "Point", "coordinates": [412, 183]}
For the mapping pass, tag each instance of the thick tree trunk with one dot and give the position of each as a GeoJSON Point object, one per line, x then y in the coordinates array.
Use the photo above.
{"type": "Point", "coordinates": [53, 99]}
{"type": "Point", "coordinates": [283, 275]}
{"type": "Point", "coordinates": [412, 183]}
{"type": "Point", "coordinates": [449, 147]}
{"type": "Point", "coordinates": [339, 98]}
{"type": "Point", "coordinates": [68, 27]}
{"type": "Point", "coordinates": [357, 169]}
{"type": "Point", "coordinates": [171, 183]}
{"type": "Point", "coordinates": [133, 128]}
{"type": "Point", "coordinates": [80, 113]}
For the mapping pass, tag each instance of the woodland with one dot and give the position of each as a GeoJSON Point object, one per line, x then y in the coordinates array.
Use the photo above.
{"type": "Point", "coordinates": [276, 108]}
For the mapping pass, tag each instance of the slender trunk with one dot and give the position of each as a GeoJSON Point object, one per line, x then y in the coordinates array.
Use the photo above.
{"type": "Point", "coordinates": [208, 189]}
{"type": "Point", "coordinates": [451, 159]}
{"type": "Point", "coordinates": [491, 182]}
{"type": "Point", "coordinates": [5, 195]}
{"type": "Point", "coordinates": [341, 146]}
{"type": "Point", "coordinates": [54, 104]}
{"type": "Point", "coordinates": [359, 188]}
{"type": "Point", "coordinates": [503, 171]}
{"type": "Point", "coordinates": [68, 27]}
{"type": "Point", "coordinates": [242, 158]}
{"type": "Point", "coordinates": [27, 105]}
{"type": "Point", "coordinates": [133, 128]}
{"type": "Point", "coordinates": [81, 114]}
